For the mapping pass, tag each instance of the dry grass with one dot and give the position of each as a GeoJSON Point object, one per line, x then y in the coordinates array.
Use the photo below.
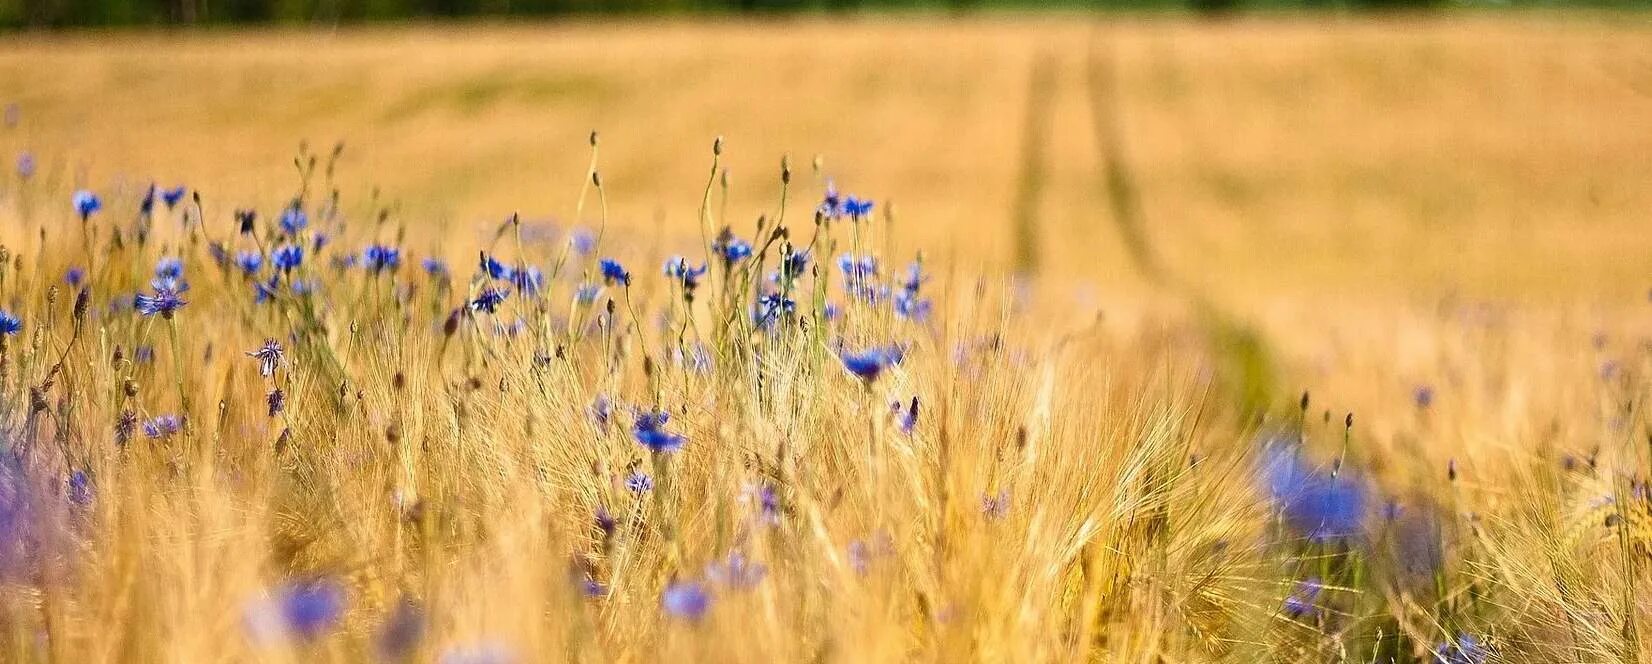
{"type": "Point", "coordinates": [1359, 209]}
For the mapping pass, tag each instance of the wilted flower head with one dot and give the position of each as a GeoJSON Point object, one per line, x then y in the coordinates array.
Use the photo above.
{"type": "Point", "coordinates": [268, 356]}
{"type": "Point", "coordinates": [686, 600]}
{"type": "Point", "coordinates": [86, 203]}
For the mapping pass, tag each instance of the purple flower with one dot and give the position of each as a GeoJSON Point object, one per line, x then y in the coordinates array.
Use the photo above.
{"type": "Point", "coordinates": [86, 203]}
{"type": "Point", "coordinates": [434, 267]}
{"type": "Point", "coordinates": [1301, 600]}
{"type": "Point", "coordinates": [686, 600]}
{"type": "Point", "coordinates": [302, 611]}
{"type": "Point", "coordinates": [995, 506]}
{"type": "Point", "coordinates": [639, 482]}
{"type": "Point", "coordinates": [293, 219]}
{"type": "Point", "coordinates": [1465, 649]}
{"type": "Point", "coordinates": [906, 419]}
{"type": "Point", "coordinates": [1319, 505]}
{"type": "Point", "coordinates": [25, 165]}
{"type": "Point", "coordinates": [678, 268]}
{"type": "Point", "coordinates": [736, 572]}
{"type": "Point", "coordinates": [649, 430]}
{"type": "Point", "coordinates": [287, 257]}
{"type": "Point", "coordinates": [489, 299]}
{"type": "Point", "coordinates": [528, 280]}
{"type": "Point", "coordinates": [1423, 396]}
{"type": "Point", "coordinates": [172, 196]}
{"type": "Point", "coordinates": [495, 269]}
{"type": "Point", "coordinates": [162, 426]}
{"type": "Point", "coordinates": [614, 273]}
{"type": "Point", "coordinates": [74, 276]}
{"type": "Point", "coordinates": [170, 268]}
{"type": "Point", "coordinates": [249, 261]}
{"type": "Point", "coordinates": [166, 300]}
{"type": "Point", "coordinates": [379, 257]}
{"type": "Point", "coordinates": [582, 241]}
{"type": "Point", "coordinates": [80, 488]}
{"type": "Point", "coordinates": [869, 364]}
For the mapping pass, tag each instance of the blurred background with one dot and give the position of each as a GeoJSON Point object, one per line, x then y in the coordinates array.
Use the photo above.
{"type": "Point", "coordinates": [1322, 155]}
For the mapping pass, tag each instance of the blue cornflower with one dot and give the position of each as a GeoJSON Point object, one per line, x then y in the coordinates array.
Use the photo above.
{"type": "Point", "coordinates": [1321, 506]}
{"type": "Point", "coordinates": [613, 272]}
{"type": "Point", "coordinates": [582, 241]}
{"type": "Point", "coordinates": [287, 257]}
{"type": "Point", "coordinates": [770, 307]}
{"type": "Point", "coordinates": [379, 257]}
{"type": "Point", "coordinates": [587, 293]}
{"type": "Point", "coordinates": [169, 268]}
{"type": "Point", "coordinates": [649, 430]}
{"type": "Point", "coordinates": [909, 306]}
{"type": "Point", "coordinates": [737, 572]}
{"type": "Point", "coordinates": [162, 426]}
{"type": "Point", "coordinates": [1466, 649]}
{"type": "Point", "coordinates": [302, 611]}
{"type": "Point", "coordinates": [495, 269]}
{"type": "Point", "coordinates": [528, 280]}
{"type": "Point", "coordinates": [602, 410]}
{"type": "Point", "coordinates": [793, 266]}
{"type": "Point", "coordinates": [906, 418]}
{"type": "Point", "coordinates": [489, 299]}
{"type": "Point", "coordinates": [25, 165]}
{"type": "Point", "coordinates": [146, 205]}
{"type": "Point", "coordinates": [857, 207]}
{"type": "Point", "coordinates": [317, 241]}
{"type": "Point", "coordinates": [1423, 396]}
{"type": "Point", "coordinates": [86, 203]}
{"type": "Point", "coordinates": [293, 219]}
{"type": "Point", "coordinates": [686, 600]}
{"type": "Point", "coordinates": [74, 276]}
{"type": "Point", "coordinates": [249, 261]}
{"type": "Point", "coordinates": [1301, 601]}
{"type": "Point", "coordinates": [639, 482]}
{"type": "Point", "coordinates": [680, 269]}
{"type": "Point", "coordinates": [914, 278]}
{"type": "Point", "coordinates": [80, 487]}
{"type": "Point", "coordinates": [434, 267]}
{"type": "Point", "coordinates": [867, 365]}
{"type": "Point", "coordinates": [10, 324]}
{"type": "Point", "coordinates": [166, 300]}
{"type": "Point", "coordinates": [765, 499]}
{"type": "Point", "coordinates": [172, 196]}
{"type": "Point", "coordinates": [857, 270]}
{"type": "Point", "coordinates": [143, 354]}
{"type": "Point", "coordinates": [731, 249]}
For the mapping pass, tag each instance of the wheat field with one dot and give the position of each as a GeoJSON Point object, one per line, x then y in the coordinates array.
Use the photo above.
{"type": "Point", "coordinates": [1279, 339]}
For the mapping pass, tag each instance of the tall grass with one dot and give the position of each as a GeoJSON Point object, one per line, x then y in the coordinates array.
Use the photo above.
{"type": "Point", "coordinates": [862, 460]}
